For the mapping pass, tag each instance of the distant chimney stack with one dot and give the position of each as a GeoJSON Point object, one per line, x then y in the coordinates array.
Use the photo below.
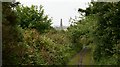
{"type": "Point", "coordinates": [61, 25]}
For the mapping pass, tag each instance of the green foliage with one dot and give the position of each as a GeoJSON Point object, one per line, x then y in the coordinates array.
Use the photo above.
{"type": "Point", "coordinates": [82, 32]}
{"type": "Point", "coordinates": [32, 17]}
{"type": "Point", "coordinates": [106, 34]}
{"type": "Point", "coordinates": [10, 35]}
{"type": "Point", "coordinates": [42, 49]}
{"type": "Point", "coordinates": [23, 43]}
{"type": "Point", "coordinates": [60, 46]}
{"type": "Point", "coordinates": [107, 31]}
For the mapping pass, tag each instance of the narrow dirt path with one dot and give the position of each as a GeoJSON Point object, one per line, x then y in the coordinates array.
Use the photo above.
{"type": "Point", "coordinates": [82, 58]}
{"type": "Point", "coordinates": [83, 52]}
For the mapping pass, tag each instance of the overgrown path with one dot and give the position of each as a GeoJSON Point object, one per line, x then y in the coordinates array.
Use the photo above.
{"type": "Point", "coordinates": [84, 57]}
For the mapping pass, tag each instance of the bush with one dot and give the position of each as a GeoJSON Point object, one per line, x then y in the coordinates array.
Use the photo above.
{"type": "Point", "coordinates": [39, 49]}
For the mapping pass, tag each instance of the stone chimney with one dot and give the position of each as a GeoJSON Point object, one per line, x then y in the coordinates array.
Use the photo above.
{"type": "Point", "coordinates": [61, 25]}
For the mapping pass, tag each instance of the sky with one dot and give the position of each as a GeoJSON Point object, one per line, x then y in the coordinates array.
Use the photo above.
{"type": "Point", "coordinates": [59, 9]}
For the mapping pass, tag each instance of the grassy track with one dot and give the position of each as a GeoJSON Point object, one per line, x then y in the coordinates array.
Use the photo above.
{"type": "Point", "coordinates": [85, 56]}
{"type": "Point", "coordinates": [74, 60]}
{"type": "Point", "coordinates": [87, 59]}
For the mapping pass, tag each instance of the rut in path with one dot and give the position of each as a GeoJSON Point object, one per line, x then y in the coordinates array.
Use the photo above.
{"type": "Point", "coordinates": [82, 53]}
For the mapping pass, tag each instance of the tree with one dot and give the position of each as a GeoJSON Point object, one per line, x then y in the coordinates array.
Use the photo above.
{"type": "Point", "coordinates": [10, 35]}
{"type": "Point", "coordinates": [31, 17]}
{"type": "Point", "coordinates": [106, 32]}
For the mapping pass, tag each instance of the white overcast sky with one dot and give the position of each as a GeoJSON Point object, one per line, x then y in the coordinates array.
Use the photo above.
{"type": "Point", "coordinates": [58, 9]}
